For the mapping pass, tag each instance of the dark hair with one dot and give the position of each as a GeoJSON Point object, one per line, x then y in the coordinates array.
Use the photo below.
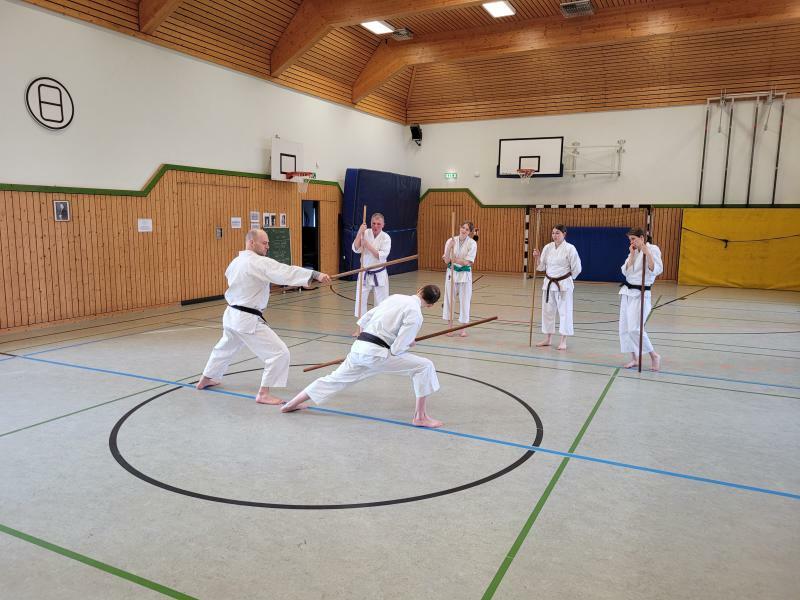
{"type": "Point", "coordinates": [470, 224]}
{"type": "Point", "coordinates": [561, 228]}
{"type": "Point", "coordinates": [431, 293]}
{"type": "Point", "coordinates": [639, 232]}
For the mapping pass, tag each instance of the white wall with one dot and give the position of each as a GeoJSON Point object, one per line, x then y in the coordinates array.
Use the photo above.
{"type": "Point", "coordinates": [139, 105]}
{"type": "Point", "coordinates": [661, 163]}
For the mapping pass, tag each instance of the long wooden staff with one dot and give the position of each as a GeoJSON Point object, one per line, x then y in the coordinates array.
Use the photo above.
{"type": "Point", "coordinates": [641, 308]}
{"type": "Point", "coordinates": [533, 289]}
{"type": "Point", "coordinates": [361, 264]}
{"type": "Point", "coordinates": [452, 267]}
{"type": "Point", "coordinates": [419, 339]}
{"type": "Point", "coordinates": [388, 263]}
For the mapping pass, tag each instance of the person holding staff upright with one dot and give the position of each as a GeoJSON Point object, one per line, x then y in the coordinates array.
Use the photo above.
{"type": "Point", "coordinates": [374, 245]}
{"type": "Point", "coordinates": [462, 249]}
{"type": "Point", "coordinates": [632, 315]}
{"type": "Point", "coordinates": [560, 262]}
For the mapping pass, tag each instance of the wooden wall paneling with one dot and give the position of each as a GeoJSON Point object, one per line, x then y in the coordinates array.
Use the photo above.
{"type": "Point", "coordinates": [32, 245]}
{"type": "Point", "coordinates": [7, 276]}
{"type": "Point", "coordinates": [23, 244]}
{"type": "Point", "coordinates": [667, 236]}
{"type": "Point", "coordinates": [42, 222]}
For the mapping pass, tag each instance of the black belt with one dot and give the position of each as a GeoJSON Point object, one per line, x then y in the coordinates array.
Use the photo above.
{"type": "Point", "coordinates": [375, 275]}
{"type": "Point", "coordinates": [633, 286]}
{"type": "Point", "coordinates": [373, 339]}
{"type": "Point", "coordinates": [247, 309]}
{"type": "Point", "coordinates": [551, 281]}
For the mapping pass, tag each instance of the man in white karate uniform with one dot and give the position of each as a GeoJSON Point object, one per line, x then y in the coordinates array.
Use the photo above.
{"type": "Point", "coordinates": [561, 264]}
{"type": "Point", "coordinates": [630, 307]}
{"type": "Point", "coordinates": [388, 332]}
{"type": "Point", "coordinates": [462, 249]}
{"type": "Point", "coordinates": [249, 277]}
{"type": "Point", "coordinates": [374, 245]}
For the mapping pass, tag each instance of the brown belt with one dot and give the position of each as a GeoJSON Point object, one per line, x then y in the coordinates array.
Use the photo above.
{"type": "Point", "coordinates": [551, 281]}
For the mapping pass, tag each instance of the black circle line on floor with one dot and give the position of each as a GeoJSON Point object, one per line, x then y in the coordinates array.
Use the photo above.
{"type": "Point", "coordinates": [115, 452]}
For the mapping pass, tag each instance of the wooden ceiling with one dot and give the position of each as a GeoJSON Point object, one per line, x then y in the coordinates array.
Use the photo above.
{"type": "Point", "coordinates": [464, 65]}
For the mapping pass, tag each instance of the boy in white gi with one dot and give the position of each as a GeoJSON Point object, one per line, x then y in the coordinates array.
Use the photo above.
{"type": "Point", "coordinates": [374, 245]}
{"type": "Point", "coordinates": [388, 331]}
{"type": "Point", "coordinates": [561, 264]}
{"type": "Point", "coordinates": [249, 276]}
{"type": "Point", "coordinates": [631, 297]}
{"type": "Point", "coordinates": [462, 249]}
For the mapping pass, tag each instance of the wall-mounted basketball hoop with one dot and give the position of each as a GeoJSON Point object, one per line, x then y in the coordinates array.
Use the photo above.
{"type": "Point", "coordinates": [525, 175]}
{"type": "Point", "coordinates": [301, 178]}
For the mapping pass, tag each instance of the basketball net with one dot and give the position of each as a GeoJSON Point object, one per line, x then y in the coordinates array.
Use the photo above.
{"type": "Point", "coordinates": [303, 179]}
{"type": "Point", "coordinates": [526, 175]}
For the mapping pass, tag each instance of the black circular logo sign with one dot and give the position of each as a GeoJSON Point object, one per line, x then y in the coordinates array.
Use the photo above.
{"type": "Point", "coordinates": [49, 103]}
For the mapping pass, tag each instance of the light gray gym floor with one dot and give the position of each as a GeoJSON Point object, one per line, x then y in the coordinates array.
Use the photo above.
{"type": "Point", "coordinates": [678, 484]}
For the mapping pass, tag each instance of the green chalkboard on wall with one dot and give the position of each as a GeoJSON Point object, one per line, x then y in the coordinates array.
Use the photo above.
{"type": "Point", "coordinates": [280, 247]}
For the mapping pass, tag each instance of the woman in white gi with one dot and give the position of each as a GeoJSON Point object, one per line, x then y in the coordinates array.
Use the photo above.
{"type": "Point", "coordinates": [631, 296]}
{"type": "Point", "coordinates": [462, 250]}
{"type": "Point", "coordinates": [560, 262]}
{"type": "Point", "coordinates": [374, 245]}
{"type": "Point", "coordinates": [249, 276]}
{"type": "Point", "coordinates": [388, 332]}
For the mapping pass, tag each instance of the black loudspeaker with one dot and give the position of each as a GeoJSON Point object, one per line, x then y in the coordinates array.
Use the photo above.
{"type": "Point", "coordinates": [416, 134]}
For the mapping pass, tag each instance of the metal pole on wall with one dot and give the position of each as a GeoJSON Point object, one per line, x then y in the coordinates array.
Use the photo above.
{"type": "Point", "coordinates": [752, 149]}
{"type": "Point", "coordinates": [703, 158]}
{"type": "Point", "coordinates": [727, 153]}
{"type": "Point", "coordinates": [778, 154]}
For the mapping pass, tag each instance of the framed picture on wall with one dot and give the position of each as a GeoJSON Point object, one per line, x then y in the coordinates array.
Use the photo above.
{"type": "Point", "coordinates": [283, 220]}
{"type": "Point", "coordinates": [61, 210]}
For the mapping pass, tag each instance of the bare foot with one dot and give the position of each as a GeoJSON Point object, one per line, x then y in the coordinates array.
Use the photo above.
{"type": "Point", "coordinates": [563, 344]}
{"type": "Point", "coordinates": [356, 333]}
{"type": "Point", "coordinates": [293, 405]}
{"type": "Point", "coordinates": [462, 334]}
{"type": "Point", "coordinates": [268, 399]}
{"type": "Point", "coordinates": [206, 382]}
{"type": "Point", "coordinates": [544, 343]}
{"type": "Point", "coordinates": [631, 364]}
{"type": "Point", "coordinates": [451, 334]}
{"type": "Point", "coordinates": [426, 421]}
{"type": "Point", "coordinates": [656, 362]}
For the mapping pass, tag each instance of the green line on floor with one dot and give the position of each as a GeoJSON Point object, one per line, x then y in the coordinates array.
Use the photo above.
{"type": "Point", "coordinates": [97, 564]}
{"type": "Point", "coordinates": [495, 583]}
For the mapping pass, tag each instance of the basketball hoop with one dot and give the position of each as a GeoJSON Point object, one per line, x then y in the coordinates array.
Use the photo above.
{"type": "Point", "coordinates": [303, 179]}
{"type": "Point", "coordinates": [525, 175]}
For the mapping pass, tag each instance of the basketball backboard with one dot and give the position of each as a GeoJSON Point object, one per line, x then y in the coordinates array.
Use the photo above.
{"type": "Point", "coordinates": [543, 154]}
{"type": "Point", "coordinates": [285, 157]}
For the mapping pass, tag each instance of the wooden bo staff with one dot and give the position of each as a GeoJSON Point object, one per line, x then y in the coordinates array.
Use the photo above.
{"type": "Point", "coordinates": [641, 307]}
{"type": "Point", "coordinates": [378, 266]}
{"type": "Point", "coordinates": [419, 339]}
{"type": "Point", "coordinates": [533, 288]}
{"type": "Point", "coordinates": [361, 264]}
{"type": "Point", "coordinates": [452, 268]}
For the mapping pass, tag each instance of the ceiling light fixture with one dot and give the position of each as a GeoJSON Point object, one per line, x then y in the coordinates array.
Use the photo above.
{"type": "Point", "coordinates": [378, 27]}
{"type": "Point", "coordinates": [499, 9]}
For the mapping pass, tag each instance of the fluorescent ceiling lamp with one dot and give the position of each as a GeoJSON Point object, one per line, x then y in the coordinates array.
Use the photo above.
{"type": "Point", "coordinates": [499, 9]}
{"type": "Point", "coordinates": [378, 27]}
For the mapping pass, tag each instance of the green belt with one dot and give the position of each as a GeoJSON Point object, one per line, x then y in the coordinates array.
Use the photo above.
{"type": "Point", "coordinates": [459, 268]}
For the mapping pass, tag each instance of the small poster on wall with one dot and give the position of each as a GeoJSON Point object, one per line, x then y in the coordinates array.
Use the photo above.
{"type": "Point", "coordinates": [144, 225]}
{"type": "Point", "coordinates": [61, 210]}
{"type": "Point", "coordinates": [283, 219]}
{"type": "Point", "coordinates": [236, 222]}
{"type": "Point", "coordinates": [254, 216]}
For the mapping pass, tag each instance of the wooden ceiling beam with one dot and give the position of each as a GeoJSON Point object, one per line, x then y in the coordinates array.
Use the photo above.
{"type": "Point", "coordinates": [610, 26]}
{"type": "Point", "coordinates": [314, 19]}
{"type": "Point", "coordinates": [152, 13]}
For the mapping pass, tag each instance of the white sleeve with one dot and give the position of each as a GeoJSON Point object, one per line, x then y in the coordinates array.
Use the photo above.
{"type": "Point", "coordinates": [473, 251]}
{"type": "Point", "coordinates": [542, 262]}
{"type": "Point", "coordinates": [270, 270]}
{"type": "Point", "coordinates": [356, 250]}
{"type": "Point", "coordinates": [366, 318]}
{"type": "Point", "coordinates": [575, 263]}
{"type": "Point", "coordinates": [658, 265]}
{"type": "Point", "coordinates": [447, 248]}
{"type": "Point", "coordinates": [412, 321]}
{"type": "Point", "coordinates": [384, 248]}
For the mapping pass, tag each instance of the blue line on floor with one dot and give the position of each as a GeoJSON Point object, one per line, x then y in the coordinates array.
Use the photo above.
{"type": "Point", "coordinates": [443, 431]}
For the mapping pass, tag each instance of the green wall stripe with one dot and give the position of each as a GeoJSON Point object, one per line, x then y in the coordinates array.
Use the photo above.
{"type": "Point", "coordinates": [495, 583]}
{"type": "Point", "coordinates": [55, 189]}
{"type": "Point", "coordinates": [157, 587]}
